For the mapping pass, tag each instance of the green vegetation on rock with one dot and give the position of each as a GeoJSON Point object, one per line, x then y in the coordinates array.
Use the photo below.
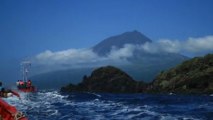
{"type": "Point", "coordinates": [192, 76]}
{"type": "Point", "coordinates": [107, 79]}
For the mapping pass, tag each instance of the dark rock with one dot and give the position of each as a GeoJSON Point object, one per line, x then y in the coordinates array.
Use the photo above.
{"type": "Point", "coordinates": [192, 76]}
{"type": "Point", "coordinates": [107, 79]}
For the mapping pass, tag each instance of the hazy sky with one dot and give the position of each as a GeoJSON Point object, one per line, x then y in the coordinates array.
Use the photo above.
{"type": "Point", "coordinates": [29, 27]}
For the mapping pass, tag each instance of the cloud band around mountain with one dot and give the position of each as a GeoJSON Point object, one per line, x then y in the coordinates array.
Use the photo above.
{"type": "Point", "coordinates": [192, 45]}
{"type": "Point", "coordinates": [80, 57]}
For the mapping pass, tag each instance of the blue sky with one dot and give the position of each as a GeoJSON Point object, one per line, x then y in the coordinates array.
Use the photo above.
{"type": "Point", "coordinates": [53, 29]}
{"type": "Point", "coordinates": [28, 27]}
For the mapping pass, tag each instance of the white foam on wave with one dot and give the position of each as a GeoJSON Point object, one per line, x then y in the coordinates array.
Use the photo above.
{"type": "Point", "coordinates": [40, 103]}
{"type": "Point", "coordinates": [44, 105]}
{"type": "Point", "coordinates": [175, 117]}
{"type": "Point", "coordinates": [133, 112]}
{"type": "Point", "coordinates": [95, 94]}
{"type": "Point", "coordinates": [112, 110]}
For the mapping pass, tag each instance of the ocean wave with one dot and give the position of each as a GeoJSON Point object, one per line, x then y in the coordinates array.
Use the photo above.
{"type": "Point", "coordinates": [52, 105]}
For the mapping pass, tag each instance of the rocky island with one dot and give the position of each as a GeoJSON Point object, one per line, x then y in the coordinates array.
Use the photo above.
{"type": "Point", "coordinates": [192, 76]}
{"type": "Point", "coordinates": [107, 79]}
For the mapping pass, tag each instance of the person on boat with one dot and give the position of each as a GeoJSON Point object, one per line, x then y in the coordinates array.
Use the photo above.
{"type": "Point", "coordinates": [21, 84]}
{"type": "Point", "coordinates": [4, 93]}
{"type": "Point", "coordinates": [1, 90]}
{"type": "Point", "coordinates": [29, 83]}
{"type": "Point", "coordinates": [18, 83]}
{"type": "Point", "coordinates": [1, 86]}
{"type": "Point", "coordinates": [25, 84]}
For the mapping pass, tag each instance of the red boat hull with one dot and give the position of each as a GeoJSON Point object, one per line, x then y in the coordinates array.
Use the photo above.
{"type": "Point", "coordinates": [30, 89]}
{"type": "Point", "coordinates": [8, 112]}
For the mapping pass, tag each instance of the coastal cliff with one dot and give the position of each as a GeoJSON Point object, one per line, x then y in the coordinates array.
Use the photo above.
{"type": "Point", "coordinates": [194, 76]}
{"type": "Point", "coordinates": [107, 79]}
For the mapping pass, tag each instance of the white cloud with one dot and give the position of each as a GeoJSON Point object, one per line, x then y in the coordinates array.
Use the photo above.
{"type": "Point", "coordinates": [81, 58]}
{"type": "Point", "coordinates": [192, 45]}
{"type": "Point", "coordinates": [199, 44]}
{"type": "Point", "coordinates": [72, 56]}
{"type": "Point", "coordinates": [86, 57]}
{"type": "Point", "coordinates": [163, 45]}
{"type": "Point", "coordinates": [122, 53]}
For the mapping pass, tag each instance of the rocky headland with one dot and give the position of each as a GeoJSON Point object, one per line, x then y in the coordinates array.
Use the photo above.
{"type": "Point", "coordinates": [194, 76]}
{"type": "Point", "coordinates": [107, 79]}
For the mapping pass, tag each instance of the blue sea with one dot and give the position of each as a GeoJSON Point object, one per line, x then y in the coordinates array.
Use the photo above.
{"type": "Point", "coordinates": [53, 105]}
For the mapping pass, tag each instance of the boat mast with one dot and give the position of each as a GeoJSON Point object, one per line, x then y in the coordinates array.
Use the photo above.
{"type": "Point", "coordinates": [25, 66]}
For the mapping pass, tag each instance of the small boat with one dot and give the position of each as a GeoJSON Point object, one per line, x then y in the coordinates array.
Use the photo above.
{"type": "Point", "coordinates": [25, 85]}
{"type": "Point", "coordinates": [30, 89]}
{"type": "Point", "coordinates": [9, 112]}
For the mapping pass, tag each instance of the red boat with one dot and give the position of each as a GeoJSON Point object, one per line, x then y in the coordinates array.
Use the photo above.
{"type": "Point", "coordinates": [25, 85]}
{"type": "Point", "coordinates": [29, 89]}
{"type": "Point", "coordinates": [9, 112]}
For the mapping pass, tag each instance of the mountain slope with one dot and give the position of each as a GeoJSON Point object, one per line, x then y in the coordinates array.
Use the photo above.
{"type": "Point", "coordinates": [142, 65]}
{"type": "Point", "coordinates": [119, 41]}
{"type": "Point", "coordinates": [56, 79]}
